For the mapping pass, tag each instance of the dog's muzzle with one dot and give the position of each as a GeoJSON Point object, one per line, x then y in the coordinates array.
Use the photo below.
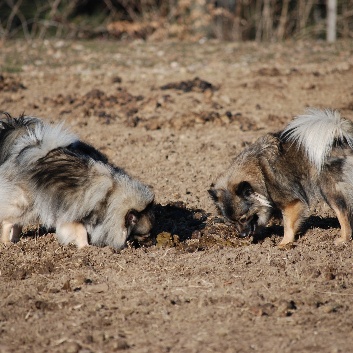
{"type": "Point", "coordinates": [247, 225]}
{"type": "Point", "coordinates": [141, 237]}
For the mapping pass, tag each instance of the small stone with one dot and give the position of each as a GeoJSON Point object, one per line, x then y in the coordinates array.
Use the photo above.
{"type": "Point", "coordinates": [98, 288]}
{"type": "Point", "coordinates": [121, 344]}
{"type": "Point", "coordinates": [73, 347]}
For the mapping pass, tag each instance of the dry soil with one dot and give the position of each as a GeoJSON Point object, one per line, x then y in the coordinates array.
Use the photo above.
{"type": "Point", "coordinates": [173, 115]}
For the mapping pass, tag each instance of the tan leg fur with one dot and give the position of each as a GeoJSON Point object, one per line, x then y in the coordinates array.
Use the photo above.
{"type": "Point", "coordinates": [346, 229]}
{"type": "Point", "coordinates": [292, 218]}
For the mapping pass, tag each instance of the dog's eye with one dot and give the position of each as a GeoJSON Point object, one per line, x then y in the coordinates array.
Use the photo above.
{"type": "Point", "coordinates": [244, 189]}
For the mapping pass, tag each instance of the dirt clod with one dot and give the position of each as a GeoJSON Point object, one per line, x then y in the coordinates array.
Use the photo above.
{"type": "Point", "coordinates": [196, 85]}
{"type": "Point", "coordinates": [9, 83]}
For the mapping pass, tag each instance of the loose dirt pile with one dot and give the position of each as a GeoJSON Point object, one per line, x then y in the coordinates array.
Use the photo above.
{"type": "Point", "coordinates": [174, 115]}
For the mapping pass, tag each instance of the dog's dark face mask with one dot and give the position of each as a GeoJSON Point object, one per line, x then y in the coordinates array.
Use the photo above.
{"type": "Point", "coordinates": [140, 224]}
{"type": "Point", "coordinates": [242, 206]}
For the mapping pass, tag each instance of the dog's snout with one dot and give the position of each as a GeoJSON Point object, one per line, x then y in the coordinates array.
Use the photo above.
{"type": "Point", "coordinates": [243, 234]}
{"type": "Point", "coordinates": [247, 225]}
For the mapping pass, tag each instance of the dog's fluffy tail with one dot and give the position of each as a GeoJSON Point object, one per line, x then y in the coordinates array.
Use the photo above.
{"type": "Point", "coordinates": [316, 131]}
{"type": "Point", "coordinates": [40, 140]}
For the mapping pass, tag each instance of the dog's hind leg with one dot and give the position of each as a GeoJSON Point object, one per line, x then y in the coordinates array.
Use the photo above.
{"type": "Point", "coordinates": [72, 232]}
{"type": "Point", "coordinates": [346, 228]}
{"type": "Point", "coordinates": [292, 219]}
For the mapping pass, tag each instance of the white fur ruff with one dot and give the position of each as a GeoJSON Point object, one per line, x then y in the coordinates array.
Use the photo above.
{"type": "Point", "coordinates": [262, 200]}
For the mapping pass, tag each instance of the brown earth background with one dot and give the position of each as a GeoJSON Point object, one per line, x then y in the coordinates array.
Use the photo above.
{"type": "Point", "coordinates": [174, 115]}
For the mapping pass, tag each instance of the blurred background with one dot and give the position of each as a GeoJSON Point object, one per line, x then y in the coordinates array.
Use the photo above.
{"type": "Point", "coordinates": [230, 20]}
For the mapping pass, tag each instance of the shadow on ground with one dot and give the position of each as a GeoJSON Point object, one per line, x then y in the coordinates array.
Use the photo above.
{"type": "Point", "coordinates": [310, 223]}
{"type": "Point", "coordinates": [190, 230]}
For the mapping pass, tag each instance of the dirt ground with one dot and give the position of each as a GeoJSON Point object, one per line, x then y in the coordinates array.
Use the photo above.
{"type": "Point", "coordinates": [174, 114]}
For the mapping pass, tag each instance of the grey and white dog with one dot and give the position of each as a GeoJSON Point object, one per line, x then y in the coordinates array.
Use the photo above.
{"type": "Point", "coordinates": [48, 176]}
{"type": "Point", "coordinates": [311, 159]}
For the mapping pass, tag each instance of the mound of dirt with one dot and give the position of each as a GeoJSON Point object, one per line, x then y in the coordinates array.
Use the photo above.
{"type": "Point", "coordinates": [9, 83]}
{"type": "Point", "coordinates": [196, 85]}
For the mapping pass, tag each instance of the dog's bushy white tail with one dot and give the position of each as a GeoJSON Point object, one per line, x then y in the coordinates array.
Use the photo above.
{"type": "Point", "coordinates": [316, 131]}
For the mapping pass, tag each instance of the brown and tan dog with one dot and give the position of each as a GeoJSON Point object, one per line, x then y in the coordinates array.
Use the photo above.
{"type": "Point", "coordinates": [311, 159]}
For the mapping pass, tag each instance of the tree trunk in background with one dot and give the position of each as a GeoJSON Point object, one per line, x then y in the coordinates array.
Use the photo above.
{"type": "Point", "coordinates": [331, 20]}
{"type": "Point", "coordinates": [199, 17]}
{"type": "Point", "coordinates": [267, 21]}
{"type": "Point", "coordinates": [283, 20]}
{"type": "Point", "coordinates": [237, 17]}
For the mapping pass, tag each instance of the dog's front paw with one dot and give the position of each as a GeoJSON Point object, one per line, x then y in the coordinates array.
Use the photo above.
{"type": "Point", "coordinates": [341, 240]}
{"type": "Point", "coordinates": [6, 242]}
{"type": "Point", "coordinates": [286, 246]}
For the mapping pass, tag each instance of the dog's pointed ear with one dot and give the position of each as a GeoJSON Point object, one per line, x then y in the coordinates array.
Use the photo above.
{"type": "Point", "coordinates": [244, 189]}
{"type": "Point", "coordinates": [131, 218]}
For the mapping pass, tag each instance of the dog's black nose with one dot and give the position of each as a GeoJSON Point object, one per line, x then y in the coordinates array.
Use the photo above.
{"type": "Point", "coordinates": [244, 234]}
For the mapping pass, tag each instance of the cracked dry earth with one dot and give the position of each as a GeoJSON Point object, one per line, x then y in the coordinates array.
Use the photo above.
{"type": "Point", "coordinates": [174, 114]}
